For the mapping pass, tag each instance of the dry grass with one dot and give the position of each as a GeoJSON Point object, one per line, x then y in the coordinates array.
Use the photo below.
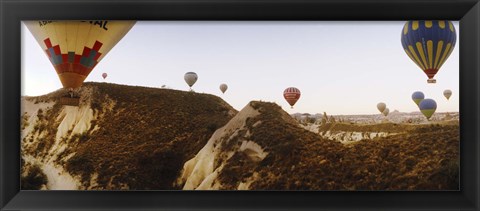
{"type": "Point", "coordinates": [422, 159]}
{"type": "Point", "coordinates": [149, 134]}
{"type": "Point", "coordinates": [32, 177]}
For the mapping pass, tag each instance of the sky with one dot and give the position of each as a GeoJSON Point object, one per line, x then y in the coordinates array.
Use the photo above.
{"type": "Point", "coordinates": [339, 67]}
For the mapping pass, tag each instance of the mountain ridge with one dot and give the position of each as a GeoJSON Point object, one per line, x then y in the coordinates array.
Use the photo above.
{"type": "Point", "coordinates": [123, 122]}
{"type": "Point", "coordinates": [138, 138]}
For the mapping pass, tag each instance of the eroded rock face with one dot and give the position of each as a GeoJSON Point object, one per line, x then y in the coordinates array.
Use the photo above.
{"type": "Point", "coordinates": [263, 148]}
{"type": "Point", "coordinates": [235, 156]}
{"type": "Point", "coordinates": [117, 136]}
{"type": "Point", "coordinates": [48, 134]}
{"type": "Point", "coordinates": [202, 171]}
{"type": "Point", "coordinates": [139, 138]}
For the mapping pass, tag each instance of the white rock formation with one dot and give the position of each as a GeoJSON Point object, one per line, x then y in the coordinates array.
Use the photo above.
{"type": "Point", "coordinates": [202, 171]}
{"type": "Point", "coordinates": [72, 120]}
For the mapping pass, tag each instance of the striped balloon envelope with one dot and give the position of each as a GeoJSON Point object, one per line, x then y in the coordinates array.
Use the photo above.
{"type": "Point", "coordinates": [429, 44]}
{"type": "Point", "coordinates": [75, 47]}
{"type": "Point", "coordinates": [291, 94]}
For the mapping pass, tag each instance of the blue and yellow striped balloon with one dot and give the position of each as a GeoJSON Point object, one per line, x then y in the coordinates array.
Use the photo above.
{"type": "Point", "coordinates": [429, 44]}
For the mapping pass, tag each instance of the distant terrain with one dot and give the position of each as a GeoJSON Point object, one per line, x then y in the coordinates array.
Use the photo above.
{"type": "Point", "coordinates": [138, 138]}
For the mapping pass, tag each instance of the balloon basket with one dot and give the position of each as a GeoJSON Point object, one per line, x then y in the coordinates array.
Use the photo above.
{"type": "Point", "coordinates": [70, 101]}
{"type": "Point", "coordinates": [432, 80]}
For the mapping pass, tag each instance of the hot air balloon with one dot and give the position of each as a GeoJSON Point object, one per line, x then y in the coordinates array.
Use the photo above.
{"type": "Point", "coordinates": [428, 44]}
{"type": "Point", "coordinates": [447, 93]}
{"type": "Point", "coordinates": [223, 87]}
{"type": "Point", "coordinates": [428, 107]}
{"type": "Point", "coordinates": [381, 107]}
{"type": "Point", "coordinates": [75, 47]}
{"type": "Point", "coordinates": [190, 78]}
{"type": "Point", "coordinates": [291, 94]}
{"type": "Point", "coordinates": [104, 75]}
{"type": "Point", "coordinates": [417, 97]}
{"type": "Point", "coordinates": [385, 112]}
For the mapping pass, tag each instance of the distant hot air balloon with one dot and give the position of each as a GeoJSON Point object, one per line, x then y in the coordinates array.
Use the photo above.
{"type": "Point", "coordinates": [381, 107]}
{"type": "Point", "coordinates": [223, 87]}
{"type": "Point", "coordinates": [447, 93]}
{"type": "Point", "coordinates": [428, 44]}
{"type": "Point", "coordinates": [75, 47]}
{"type": "Point", "coordinates": [428, 107]}
{"type": "Point", "coordinates": [190, 78]}
{"type": "Point", "coordinates": [417, 97]}
{"type": "Point", "coordinates": [385, 112]}
{"type": "Point", "coordinates": [104, 75]}
{"type": "Point", "coordinates": [291, 94]}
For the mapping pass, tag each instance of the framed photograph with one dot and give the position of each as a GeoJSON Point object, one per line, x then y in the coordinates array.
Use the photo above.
{"type": "Point", "coordinates": [243, 105]}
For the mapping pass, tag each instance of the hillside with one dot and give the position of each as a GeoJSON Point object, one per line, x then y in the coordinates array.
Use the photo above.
{"type": "Point", "coordinates": [263, 148]}
{"type": "Point", "coordinates": [138, 138]}
{"type": "Point", "coordinates": [120, 137]}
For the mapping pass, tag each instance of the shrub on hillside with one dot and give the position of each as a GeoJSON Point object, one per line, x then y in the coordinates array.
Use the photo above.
{"type": "Point", "coordinates": [81, 164]}
{"type": "Point", "coordinates": [156, 171]}
{"type": "Point", "coordinates": [34, 178]}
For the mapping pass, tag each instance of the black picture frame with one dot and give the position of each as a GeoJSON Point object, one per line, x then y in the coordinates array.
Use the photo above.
{"type": "Point", "coordinates": [12, 12]}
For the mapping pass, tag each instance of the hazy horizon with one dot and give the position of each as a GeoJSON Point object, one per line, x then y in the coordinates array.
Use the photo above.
{"type": "Point", "coordinates": [342, 68]}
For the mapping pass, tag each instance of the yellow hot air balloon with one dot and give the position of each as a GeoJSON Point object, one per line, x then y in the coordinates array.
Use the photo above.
{"type": "Point", "coordinates": [75, 47]}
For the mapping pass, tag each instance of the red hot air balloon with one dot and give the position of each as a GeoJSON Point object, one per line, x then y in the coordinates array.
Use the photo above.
{"type": "Point", "coordinates": [104, 75]}
{"type": "Point", "coordinates": [291, 94]}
